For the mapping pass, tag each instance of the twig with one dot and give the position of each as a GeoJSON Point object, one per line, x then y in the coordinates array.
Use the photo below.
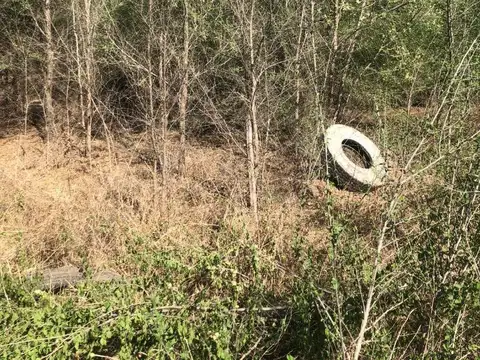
{"type": "Point", "coordinates": [399, 333]}
{"type": "Point", "coordinates": [251, 349]}
{"type": "Point", "coordinates": [173, 308]}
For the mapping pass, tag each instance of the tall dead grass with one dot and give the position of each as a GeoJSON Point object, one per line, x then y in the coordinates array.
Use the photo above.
{"type": "Point", "coordinates": [56, 208]}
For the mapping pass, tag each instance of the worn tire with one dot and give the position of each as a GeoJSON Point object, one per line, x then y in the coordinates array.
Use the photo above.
{"type": "Point", "coordinates": [56, 279]}
{"type": "Point", "coordinates": [344, 171]}
{"type": "Point", "coordinates": [69, 276]}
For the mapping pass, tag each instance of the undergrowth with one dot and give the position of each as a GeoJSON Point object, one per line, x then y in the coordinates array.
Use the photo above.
{"type": "Point", "coordinates": [235, 301]}
{"type": "Point", "coordinates": [205, 304]}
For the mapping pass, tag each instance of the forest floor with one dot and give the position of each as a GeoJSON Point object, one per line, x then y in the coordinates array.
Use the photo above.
{"type": "Point", "coordinates": [57, 208]}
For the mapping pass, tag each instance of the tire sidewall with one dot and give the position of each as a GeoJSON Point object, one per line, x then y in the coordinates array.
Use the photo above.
{"type": "Point", "coordinates": [347, 172]}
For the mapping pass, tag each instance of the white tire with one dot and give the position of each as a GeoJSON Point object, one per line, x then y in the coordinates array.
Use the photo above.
{"type": "Point", "coordinates": [346, 173]}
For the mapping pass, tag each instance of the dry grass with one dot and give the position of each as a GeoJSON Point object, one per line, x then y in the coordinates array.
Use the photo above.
{"type": "Point", "coordinates": [56, 209]}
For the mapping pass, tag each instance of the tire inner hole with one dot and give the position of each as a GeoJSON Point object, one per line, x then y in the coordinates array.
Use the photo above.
{"type": "Point", "coordinates": [357, 153]}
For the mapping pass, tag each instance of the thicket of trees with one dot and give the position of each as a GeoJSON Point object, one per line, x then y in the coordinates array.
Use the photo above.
{"type": "Point", "coordinates": [264, 74]}
{"type": "Point", "coordinates": [255, 72]}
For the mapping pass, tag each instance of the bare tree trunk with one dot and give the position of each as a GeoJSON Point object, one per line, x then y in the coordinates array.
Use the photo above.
{"type": "Point", "coordinates": [252, 138]}
{"type": "Point", "coordinates": [252, 180]}
{"type": "Point", "coordinates": [268, 113]}
{"type": "Point", "coordinates": [25, 90]}
{"type": "Point", "coordinates": [184, 92]}
{"type": "Point", "coordinates": [449, 27]}
{"type": "Point", "coordinates": [339, 94]}
{"type": "Point", "coordinates": [338, 15]}
{"type": "Point", "coordinates": [151, 112]}
{"type": "Point", "coordinates": [297, 66]}
{"type": "Point", "coordinates": [89, 76]}
{"type": "Point", "coordinates": [49, 76]}
{"type": "Point", "coordinates": [79, 65]}
{"type": "Point", "coordinates": [319, 116]}
{"type": "Point", "coordinates": [164, 118]}
{"type": "Point", "coordinates": [333, 76]}
{"type": "Point", "coordinates": [67, 105]}
{"type": "Point", "coordinates": [157, 116]}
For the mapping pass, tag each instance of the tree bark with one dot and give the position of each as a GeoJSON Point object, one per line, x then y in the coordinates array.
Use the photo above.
{"type": "Point", "coordinates": [88, 49]}
{"type": "Point", "coordinates": [50, 68]}
{"type": "Point", "coordinates": [78, 59]}
{"type": "Point", "coordinates": [297, 66]}
{"type": "Point", "coordinates": [183, 98]}
{"type": "Point", "coordinates": [151, 117]}
{"type": "Point", "coordinates": [253, 143]}
{"type": "Point", "coordinates": [164, 117]}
